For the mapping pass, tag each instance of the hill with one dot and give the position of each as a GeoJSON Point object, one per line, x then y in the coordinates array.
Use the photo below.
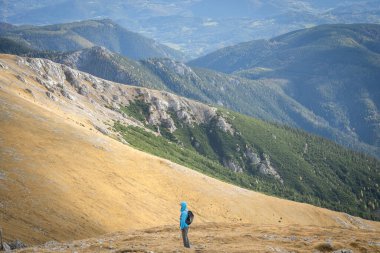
{"type": "Point", "coordinates": [197, 27]}
{"type": "Point", "coordinates": [76, 177]}
{"type": "Point", "coordinates": [229, 146]}
{"type": "Point", "coordinates": [85, 34]}
{"type": "Point", "coordinates": [271, 103]}
{"type": "Point", "coordinates": [332, 70]}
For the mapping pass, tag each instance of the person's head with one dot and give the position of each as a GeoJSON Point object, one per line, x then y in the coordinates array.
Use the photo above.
{"type": "Point", "coordinates": [183, 206]}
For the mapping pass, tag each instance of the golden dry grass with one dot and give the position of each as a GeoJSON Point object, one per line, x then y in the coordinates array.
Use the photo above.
{"type": "Point", "coordinates": [62, 180]}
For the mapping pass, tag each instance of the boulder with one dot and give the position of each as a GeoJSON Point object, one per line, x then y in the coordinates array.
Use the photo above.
{"type": "Point", "coordinates": [232, 165]}
{"type": "Point", "coordinates": [17, 245]}
{"type": "Point", "coordinates": [3, 65]}
{"type": "Point", "coordinates": [5, 247]}
{"type": "Point", "coordinates": [51, 96]}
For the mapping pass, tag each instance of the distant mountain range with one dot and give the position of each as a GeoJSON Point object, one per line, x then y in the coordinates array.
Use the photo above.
{"type": "Point", "coordinates": [85, 34]}
{"type": "Point", "coordinates": [331, 70]}
{"type": "Point", "coordinates": [265, 91]}
{"type": "Point", "coordinates": [197, 27]}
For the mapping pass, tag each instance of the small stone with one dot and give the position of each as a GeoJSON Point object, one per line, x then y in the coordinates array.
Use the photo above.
{"type": "Point", "coordinates": [17, 245]}
{"type": "Point", "coordinates": [6, 247]}
{"type": "Point", "coordinates": [102, 130]}
{"type": "Point", "coordinates": [343, 251]}
{"type": "Point", "coordinates": [82, 90]}
{"type": "Point", "coordinates": [51, 96]}
{"type": "Point", "coordinates": [66, 94]}
{"type": "Point", "coordinates": [3, 65]}
{"type": "Point", "coordinates": [21, 78]}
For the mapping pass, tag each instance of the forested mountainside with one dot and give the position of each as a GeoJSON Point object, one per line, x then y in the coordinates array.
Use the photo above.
{"type": "Point", "coordinates": [331, 70]}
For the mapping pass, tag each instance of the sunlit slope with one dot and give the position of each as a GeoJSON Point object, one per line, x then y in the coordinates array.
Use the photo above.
{"type": "Point", "coordinates": [61, 179]}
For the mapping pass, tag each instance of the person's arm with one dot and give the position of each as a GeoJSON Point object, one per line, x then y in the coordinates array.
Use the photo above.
{"type": "Point", "coordinates": [182, 223]}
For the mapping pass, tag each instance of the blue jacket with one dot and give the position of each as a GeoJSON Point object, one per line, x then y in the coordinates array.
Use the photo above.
{"type": "Point", "coordinates": [182, 218]}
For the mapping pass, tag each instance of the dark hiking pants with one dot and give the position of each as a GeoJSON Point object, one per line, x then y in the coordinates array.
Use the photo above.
{"type": "Point", "coordinates": [186, 242]}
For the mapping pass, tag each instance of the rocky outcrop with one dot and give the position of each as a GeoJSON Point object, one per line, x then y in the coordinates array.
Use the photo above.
{"type": "Point", "coordinates": [3, 65]}
{"type": "Point", "coordinates": [252, 157]}
{"type": "Point", "coordinates": [263, 164]}
{"type": "Point", "coordinates": [224, 125]}
{"type": "Point", "coordinates": [176, 67]}
{"type": "Point", "coordinates": [266, 168]}
{"type": "Point", "coordinates": [66, 85]}
{"type": "Point", "coordinates": [232, 165]}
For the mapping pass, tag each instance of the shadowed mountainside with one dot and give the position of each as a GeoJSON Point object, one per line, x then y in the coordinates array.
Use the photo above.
{"type": "Point", "coordinates": [89, 33]}
{"type": "Point", "coordinates": [331, 70]}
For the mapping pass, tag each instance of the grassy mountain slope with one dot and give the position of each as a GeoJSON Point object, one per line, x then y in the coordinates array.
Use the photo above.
{"type": "Point", "coordinates": [332, 70]}
{"type": "Point", "coordinates": [85, 34]}
{"type": "Point", "coordinates": [70, 181]}
{"type": "Point", "coordinates": [264, 98]}
{"type": "Point", "coordinates": [165, 74]}
{"type": "Point", "coordinates": [224, 144]}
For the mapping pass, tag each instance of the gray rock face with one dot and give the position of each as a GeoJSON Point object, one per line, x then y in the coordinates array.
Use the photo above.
{"type": "Point", "coordinates": [252, 156]}
{"type": "Point", "coordinates": [102, 130]}
{"type": "Point", "coordinates": [73, 77]}
{"type": "Point", "coordinates": [21, 78]}
{"type": "Point", "coordinates": [232, 165]}
{"type": "Point", "coordinates": [47, 82]}
{"type": "Point", "coordinates": [224, 125]}
{"type": "Point", "coordinates": [66, 94]}
{"type": "Point", "coordinates": [51, 96]}
{"type": "Point", "coordinates": [62, 83]}
{"type": "Point", "coordinates": [305, 148]}
{"type": "Point", "coordinates": [17, 245]}
{"type": "Point", "coordinates": [178, 68]}
{"type": "Point", "coordinates": [6, 247]}
{"type": "Point", "coordinates": [266, 168]}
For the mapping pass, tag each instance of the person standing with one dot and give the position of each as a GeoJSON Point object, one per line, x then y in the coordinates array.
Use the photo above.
{"type": "Point", "coordinates": [183, 225]}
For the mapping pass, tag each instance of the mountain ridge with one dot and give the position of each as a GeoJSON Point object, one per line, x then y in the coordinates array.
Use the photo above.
{"type": "Point", "coordinates": [329, 69]}
{"type": "Point", "coordinates": [73, 152]}
{"type": "Point", "coordinates": [199, 27]}
{"type": "Point", "coordinates": [88, 33]}
{"type": "Point", "coordinates": [272, 102]}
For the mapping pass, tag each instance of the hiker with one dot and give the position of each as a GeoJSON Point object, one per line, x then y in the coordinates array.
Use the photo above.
{"type": "Point", "coordinates": [183, 225]}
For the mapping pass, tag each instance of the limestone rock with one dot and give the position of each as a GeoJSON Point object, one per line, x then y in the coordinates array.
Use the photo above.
{"type": "Point", "coordinates": [66, 94]}
{"type": "Point", "coordinates": [3, 65]}
{"type": "Point", "coordinates": [102, 130]}
{"type": "Point", "coordinates": [266, 168]}
{"type": "Point", "coordinates": [51, 96]}
{"type": "Point", "coordinates": [252, 156]}
{"type": "Point", "coordinates": [232, 165]}
{"type": "Point", "coordinates": [17, 245]}
{"type": "Point", "coordinates": [6, 247]}
{"type": "Point", "coordinates": [224, 125]}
